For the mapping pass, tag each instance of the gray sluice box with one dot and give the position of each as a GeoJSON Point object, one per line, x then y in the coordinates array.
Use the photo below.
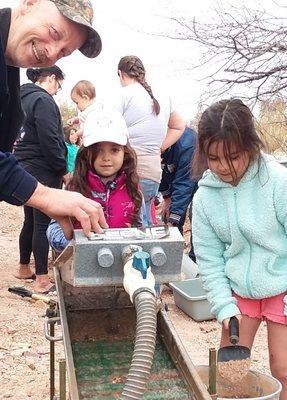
{"type": "Point", "coordinates": [190, 297]}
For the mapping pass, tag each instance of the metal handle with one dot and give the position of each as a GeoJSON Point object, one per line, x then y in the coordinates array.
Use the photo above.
{"type": "Point", "coordinates": [48, 322]}
{"type": "Point", "coordinates": [234, 330]}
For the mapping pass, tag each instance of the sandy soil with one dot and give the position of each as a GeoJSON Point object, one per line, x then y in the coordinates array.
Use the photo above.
{"type": "Point", "coordinates": [24, 351]}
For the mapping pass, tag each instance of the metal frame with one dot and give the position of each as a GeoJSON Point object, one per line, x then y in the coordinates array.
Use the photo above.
{"type": "Point", "coordinates": [181, 358]}
{"type": "Point", "coordinates": [73, 389]}
{"type": "Point", "coordinates": [166, 332]}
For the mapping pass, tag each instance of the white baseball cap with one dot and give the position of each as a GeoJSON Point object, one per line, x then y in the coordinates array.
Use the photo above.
{"type": "Point", "coordinates": [105, 125]}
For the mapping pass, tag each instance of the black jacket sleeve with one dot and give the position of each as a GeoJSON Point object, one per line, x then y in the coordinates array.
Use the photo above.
{"type": "Point", "coordinates": [48, 126]}
{"type": "Point", "coordinates": [16, 185]}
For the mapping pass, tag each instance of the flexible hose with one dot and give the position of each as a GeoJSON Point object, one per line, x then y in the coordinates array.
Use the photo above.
{"type": "Point", "coordinates": [135, 387]}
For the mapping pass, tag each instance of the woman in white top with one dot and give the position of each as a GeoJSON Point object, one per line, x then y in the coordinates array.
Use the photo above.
{"type": "Point", "coordinates": [153, 126]}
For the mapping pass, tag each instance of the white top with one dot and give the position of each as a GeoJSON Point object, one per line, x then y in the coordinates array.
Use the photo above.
{"type": "Point", "coordinates": [83, 114]}
{"type": "Point", "coordinates": [147, 130]}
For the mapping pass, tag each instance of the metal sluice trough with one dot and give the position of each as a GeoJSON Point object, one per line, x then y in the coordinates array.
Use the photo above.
{"type": "Point", "coordinates": [98, 321]}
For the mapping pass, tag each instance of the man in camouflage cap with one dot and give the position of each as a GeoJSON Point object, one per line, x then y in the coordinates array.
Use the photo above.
{"type": "Point", "coordinates": [81, 12]}
{"type": "Point", "coordinates": [38, 33]}
{"type": "Point", "coordinates": [52, 29]}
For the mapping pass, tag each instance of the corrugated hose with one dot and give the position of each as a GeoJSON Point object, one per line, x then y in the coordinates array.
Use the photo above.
{"type": "Point", "coordinates": [145, 305]}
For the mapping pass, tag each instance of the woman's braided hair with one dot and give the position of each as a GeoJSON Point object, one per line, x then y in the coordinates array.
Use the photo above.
{"type": "Point", "coordinates": [134, 68]}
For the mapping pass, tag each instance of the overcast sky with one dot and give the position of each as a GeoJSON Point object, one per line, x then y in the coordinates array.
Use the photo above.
{"type": "Point", "coordinates": [122, 26]}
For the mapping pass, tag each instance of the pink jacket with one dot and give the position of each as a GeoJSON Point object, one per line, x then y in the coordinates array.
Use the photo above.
{"type": "Point", "coordinates": [117, 205]}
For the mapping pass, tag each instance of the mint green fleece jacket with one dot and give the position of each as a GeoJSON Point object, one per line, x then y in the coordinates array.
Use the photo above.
{"type": "Point", "coordinates": [240, 235]}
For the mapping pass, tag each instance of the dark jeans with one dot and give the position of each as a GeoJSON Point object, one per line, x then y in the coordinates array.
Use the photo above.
{"type": "Point", "coordinates": [33, 239]}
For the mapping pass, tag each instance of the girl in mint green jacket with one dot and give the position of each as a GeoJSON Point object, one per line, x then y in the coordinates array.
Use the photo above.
{"type": "Point", "coordinates": [239, 228]}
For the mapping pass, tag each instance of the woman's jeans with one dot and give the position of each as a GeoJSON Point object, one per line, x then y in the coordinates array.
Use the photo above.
{"type": "Point", "coordinates": [149, 189]}
{"type": "Point", "coordinates": [56, 237]}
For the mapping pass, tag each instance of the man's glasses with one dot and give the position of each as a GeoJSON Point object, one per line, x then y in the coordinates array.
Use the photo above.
{"type": "Point", "coordinates": [59, 86]}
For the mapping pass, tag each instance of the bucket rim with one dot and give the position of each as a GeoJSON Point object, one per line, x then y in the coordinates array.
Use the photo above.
{"type": "Point", "coordinates": [266, 397]}
{"type": "Point", "coordinates": [177, 289]}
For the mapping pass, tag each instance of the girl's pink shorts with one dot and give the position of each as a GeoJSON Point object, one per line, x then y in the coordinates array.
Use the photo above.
{"type": "Point", "coordinates": [271, 308]}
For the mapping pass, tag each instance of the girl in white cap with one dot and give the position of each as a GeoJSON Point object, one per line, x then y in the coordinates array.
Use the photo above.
{"type": "Point", "coordinates": [105, 171]}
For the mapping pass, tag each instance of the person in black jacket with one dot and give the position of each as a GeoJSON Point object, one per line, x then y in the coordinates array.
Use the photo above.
{"type": "Point", "coordinates": [38, 33]}
{"type": "Point", "coordinates": [41, 151]}
{"type": "Point", "coordinates": [177, 186]}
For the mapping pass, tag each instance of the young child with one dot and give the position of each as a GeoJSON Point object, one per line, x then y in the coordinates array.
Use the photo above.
{"type": "Point", "coordinates": [105, 171]}
{"type": "Point", "coordinates": [72, 142]}
{"type": "Point", "coordinates": [83, 95]}
{"type": "Point", "coordinates": [239, 227]}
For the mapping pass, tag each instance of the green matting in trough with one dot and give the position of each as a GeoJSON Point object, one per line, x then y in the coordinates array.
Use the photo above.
{"type": "Point", "coordinates": [102, 368]}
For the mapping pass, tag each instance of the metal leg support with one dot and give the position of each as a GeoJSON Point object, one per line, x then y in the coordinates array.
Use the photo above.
{"type": "Point", "coordinates": [62, 379]}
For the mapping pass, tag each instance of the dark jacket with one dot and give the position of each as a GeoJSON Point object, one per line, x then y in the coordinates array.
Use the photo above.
{"type": "Point", "coordinates": [176, 181]}
{"type": "Point", "coordinates": [16, 185]}
{"type": "Point", "coordinates": [41, 150]}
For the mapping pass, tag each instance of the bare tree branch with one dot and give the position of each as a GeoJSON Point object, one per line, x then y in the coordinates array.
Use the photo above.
{"type": "Point", "coordinates": [245, 48]}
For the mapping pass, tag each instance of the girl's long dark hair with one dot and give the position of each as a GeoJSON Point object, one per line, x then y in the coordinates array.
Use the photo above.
{"type": "Point", "coordinates": [85, 162]}
{"type": "Point", "coordinates": [231, 122]}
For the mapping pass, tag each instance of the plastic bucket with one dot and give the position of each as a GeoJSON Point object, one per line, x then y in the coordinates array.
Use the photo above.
{"type": "Point", "coordinates": [255, 385]}
{"type": "Point", "coordinates": [190, 297]}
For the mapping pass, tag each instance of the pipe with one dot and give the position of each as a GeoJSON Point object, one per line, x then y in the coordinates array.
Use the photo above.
{"type": "Point", "coordinates": [145, 305]}
{"type": "Point", "coordinates": [137, 274]}
{"type": "Point", "coordinates": [139, 284]}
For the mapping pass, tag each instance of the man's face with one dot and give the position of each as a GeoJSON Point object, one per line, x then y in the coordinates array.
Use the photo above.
{"type": "Point", "coordinates": [40, 35]}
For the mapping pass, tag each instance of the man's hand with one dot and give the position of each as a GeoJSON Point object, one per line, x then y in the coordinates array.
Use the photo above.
{"type": "Point", "coordinates": [61, 204]}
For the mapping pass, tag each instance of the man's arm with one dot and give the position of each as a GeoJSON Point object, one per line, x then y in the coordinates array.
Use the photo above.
{"type": "Point", "coordinates": [61, 205]}
{"type": "Point", "coordinates": [18, 187]}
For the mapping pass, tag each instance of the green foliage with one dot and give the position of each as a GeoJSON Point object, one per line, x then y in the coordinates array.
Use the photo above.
{"type": "Point", "coordinates": [67, 111]}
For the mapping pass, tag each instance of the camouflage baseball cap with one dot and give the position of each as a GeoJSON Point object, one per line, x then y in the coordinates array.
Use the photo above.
{"type": "Point", "coordinates": [81, 12]}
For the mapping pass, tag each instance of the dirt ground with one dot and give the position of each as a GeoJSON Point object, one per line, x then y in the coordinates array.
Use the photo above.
{"type": "Point", "coordinates": [24, 351]}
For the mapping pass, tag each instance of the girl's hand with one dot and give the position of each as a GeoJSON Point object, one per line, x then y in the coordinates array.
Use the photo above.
{"type": "Point", "coordinates": [285, 305]}
{"type": "Point", "coordinates": [225, 322]}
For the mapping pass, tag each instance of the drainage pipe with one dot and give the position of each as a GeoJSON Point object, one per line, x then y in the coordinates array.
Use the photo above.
{"type": "Point", "coordinates": [139, 284]}
{"type": "Point", "coordinates": [145, 305]}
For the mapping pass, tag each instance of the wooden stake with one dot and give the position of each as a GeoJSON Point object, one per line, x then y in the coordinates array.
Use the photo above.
{"type": "Point", "coordinates": [212, 373]}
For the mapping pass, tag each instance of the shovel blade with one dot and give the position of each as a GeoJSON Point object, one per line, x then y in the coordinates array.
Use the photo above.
{"type": "Point", "coordinates": [233, 363]}
{"type": "Point", "coordinates": [230, 353]}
